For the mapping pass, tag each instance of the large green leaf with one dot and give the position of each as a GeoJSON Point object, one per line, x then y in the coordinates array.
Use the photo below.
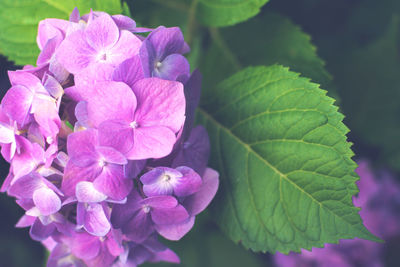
{"type": "Point", "coordinates": [264, 40]}
{"type": "Point", "coordinates": [19, 21]}
{"type": "Point", "coordinates": [287, 177]}
{"type": "Point", "coordinates": [219, 13]}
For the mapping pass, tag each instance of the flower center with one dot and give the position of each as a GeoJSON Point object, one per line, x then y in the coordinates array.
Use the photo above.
{"type": "Point", "coordinates": [102, 163]}
{"type": "Point", "coordinates": [146, 208]}
{"type": "Point", "coordinates": [49, 140]}
{"type": "Point", "coordinates": [158, 64]}
{"type": "Point", "coordinates": [166, 178]}
{"type": "Point", "coordinates": [134, 124]}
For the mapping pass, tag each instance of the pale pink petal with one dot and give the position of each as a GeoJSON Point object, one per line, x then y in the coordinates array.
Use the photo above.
{"type": "Point", "coordinates": [112, 182]}
{"type": "Point", "coordinates": [95, 220]}
{"type": "Point", "coordinates": [197, 202]}
{"type": "Point", "coordinates": [6, 134]}
{"type": "Point", "coordinates": [17, 103]}
{"type": "Point", "coordinates": [85, 192]}
{"type": "Point", "coordinates": [127, 46]}
{"type": "Point", "coordinates": [102, 32]}
{"type": "Point", "coordinates": [160, 103]}
{"type": "Point", "coordinates": [82, 142]}
{"type": "Point", "coordinates": [46, 201]}
{"type": "Point", "coordinates": [25, 221]}
{"type": "Point", "coordinates": [74, 53]}
{"type": "Point", "coordinates": [85, 246]}
{"type": "Point", "coordinates": [129, 71]}
{"type": "Point", "coordinates": [110, 155]}
{"type": "Point", "coordinates": [175, 231]}
{"type": "Point", "coordinates": [151, 142]}
{"type": "Point", "coordinates": [169, 216]}
{"type": "Point", "coordinates": [94, 73]}
{"type": "Point", "coordinates": [109, 95]}
{"type": "Point", "coordinates": [25, 186]}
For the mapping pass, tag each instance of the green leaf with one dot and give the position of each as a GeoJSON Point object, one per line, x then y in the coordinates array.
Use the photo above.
{"type": "Point", "coordinates": [287, 177]}
{"type": "Point", "coordinates": [264, 40]}
{"type": "Point", "coordinates": [159, 12]}
{"type": "Point", "coordinates": [218, 13]}
{"type": "Point", "coordinates": [19, 21]}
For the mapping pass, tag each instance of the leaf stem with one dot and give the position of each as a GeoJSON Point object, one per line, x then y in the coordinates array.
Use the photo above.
{"type": "Point", "coordinates": [191, 25]}
{"type": "Point", "coordinates": [216, 36]}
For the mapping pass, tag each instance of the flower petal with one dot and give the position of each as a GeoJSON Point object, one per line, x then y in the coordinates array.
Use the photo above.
{"type": "Point", "coordinates": [82, 142]}
{"type": "Point", "coordinates": [85, 246]}
{"type": "Point", "coordinates": [112, 182]}
{"type": "Point", "coordinates": [25, 186]}
{"type": "Point", "coordinates": [17, 103]}
{"type": "Point", "coordinates": [124, 22]}
{"type": "Point", "coordinates": [102, 32]}
{"type": "Point", "coordinates": [107, 96]}
{"type": "Point", "coordinates": [175, 231]}
{"type": "Point", "coordinates": [110, 155]}
{"type": "Point", "coordinates": [95, 220]}
{"type": "Point", "coordinates": [196, 203]}
{"type": "Point", "coordinates": [6, 134]}
{"type": "Point", "coordinates": [74, 53]}
{"type": "Point", "coordinates": [40, 232]}
{"type": "Point", "coordinates": [189, 183]}
{"type": "Point", "coordinates": [46, 201]}
{"type": "Point", "coordinates": [85, 192]}
{"type": "Point", "coordinates": [129, 71]}
{"type": "Point", "coordinates": [94, 73]}
{"type": "Point", "coordinates": [25, 221]}
{"type": "Point", "coordinates": [74, 174]}
{"type": "Point", "coordinates": [127, 46]}
{"type": "Point", "coordinates": [195, 151]}
{"type": "Point", "coordinates": [139, 228]}
{"type": "Point", "coordinates": [160, 103]}
{"type": "Point", "coordinates": [169, 216]}
{"type": "Point", "coordinates": [172, 67]}
{"type": "Point", "coordinates": [161, 202]}
{"type": "Point", "coordinates": [116, 134]}
{"type": "Point", "coordinates": [121, 214]}
{"type": "Point", "coordinates": [151, 142]}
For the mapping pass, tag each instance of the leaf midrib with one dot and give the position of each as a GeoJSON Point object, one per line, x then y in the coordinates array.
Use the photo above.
{"type": "Point", "coordinates": [281, 175]}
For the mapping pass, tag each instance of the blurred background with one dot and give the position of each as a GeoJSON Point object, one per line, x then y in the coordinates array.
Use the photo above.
{"type": "Point", "coordinates": [358, 41]}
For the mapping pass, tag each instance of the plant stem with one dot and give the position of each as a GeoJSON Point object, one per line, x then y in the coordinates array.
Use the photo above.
{"type": "Point", "coordinates": [177, 5]}
{"type": "Point", "coordinates": [191, 25]}
{"type": "Point", "coordinates": [216, 36]}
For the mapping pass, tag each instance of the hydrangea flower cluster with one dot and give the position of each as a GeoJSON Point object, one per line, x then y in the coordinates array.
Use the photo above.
{"type": "Point", "coordinates": [380, 205]}
{"type": "Point", "coordinates": [100, 137]}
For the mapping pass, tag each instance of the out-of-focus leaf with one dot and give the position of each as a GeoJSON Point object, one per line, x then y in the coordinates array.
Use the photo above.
{"type": "Point", "coordinates": [206, 246]}
{"type": "Point", "coordinates": [287, 177]}
{"type": "Point", "coordinates": [152, 14]}
{"type": "Point", "coordinates": [369, 82]}
{"type": "Point", "coordinates": [264, 40]}
{"type": "Point", "coordinates": [19, 21]}
{"type": "Point", "coordinates": [219, 13]}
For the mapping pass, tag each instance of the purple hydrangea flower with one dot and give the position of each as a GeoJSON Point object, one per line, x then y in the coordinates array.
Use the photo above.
{"type": "Point", "coordinates": [104, 155]}
{"type": "Point", "coordinates": [161, 54]}
{"type": "Point", "coordinates": [181, 182]}
{"type": "Point", "coordinates": [101, 165]}
{"type": "Point", "coordinates": [100, 42]}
